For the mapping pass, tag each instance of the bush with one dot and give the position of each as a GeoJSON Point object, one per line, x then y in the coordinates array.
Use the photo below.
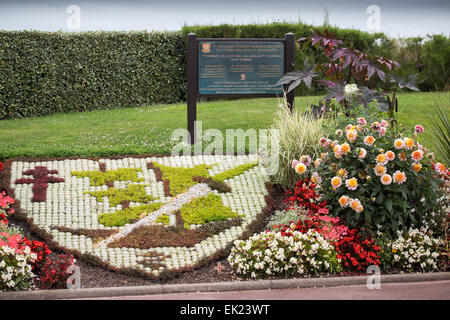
{"type": "Point", "coordinates": [298, 135]}
{"type": "Point", "coordinates": [272, 254]}
{"type": "Point", "coordinates": [47, 72]}
{"type": "Point", "coordinates": [430, 56]}
{"type": "Point", "coordinates": [373, 178]}
{"type": "Point", "coordinates": [205, 209]}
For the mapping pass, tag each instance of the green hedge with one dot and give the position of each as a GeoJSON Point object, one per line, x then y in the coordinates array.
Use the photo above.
{"type": "Point", "coordinates": [46, 72]}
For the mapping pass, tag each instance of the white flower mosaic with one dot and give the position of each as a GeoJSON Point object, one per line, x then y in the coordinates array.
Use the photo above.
{"type": "Point", "coordinates": [68, 205]}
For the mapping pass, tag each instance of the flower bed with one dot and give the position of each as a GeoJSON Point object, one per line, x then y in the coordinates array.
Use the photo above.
{"type": "Point", "coordinates": [373, 195]}
{"type": "Point", "coordinates": [107, 210]}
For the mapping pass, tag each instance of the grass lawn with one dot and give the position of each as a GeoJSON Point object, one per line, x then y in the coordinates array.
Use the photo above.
{"type": "Point", "coordinates": [148, 129]}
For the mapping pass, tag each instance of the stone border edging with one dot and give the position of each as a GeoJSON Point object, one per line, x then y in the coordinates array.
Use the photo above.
{"type": "Point", "coordinates": [218, 286]}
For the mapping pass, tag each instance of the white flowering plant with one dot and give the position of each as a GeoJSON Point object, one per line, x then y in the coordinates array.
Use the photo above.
{"type": "Point", "coordinates": [414, 250]}
{"type": "Point", "coordinates": [271, 253]}
{"type": "Point", "coordinates": [15, 263]}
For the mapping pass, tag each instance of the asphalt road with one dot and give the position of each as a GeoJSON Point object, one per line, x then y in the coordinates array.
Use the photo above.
{"type": "Point", "coordinates": [434, 290]}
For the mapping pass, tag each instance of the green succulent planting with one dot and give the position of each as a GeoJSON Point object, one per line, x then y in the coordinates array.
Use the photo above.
{"type": "Point", "coordinates": [128, 215]}
{"type": "Point", "coordinates": [205, 209]}
{"type": "Point", "coordinates": [133, 192]}
{"type": "Point", "coordinates": [98, 178]}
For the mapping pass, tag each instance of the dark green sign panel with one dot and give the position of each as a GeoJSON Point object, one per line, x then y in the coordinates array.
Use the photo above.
{"type": "Point", "coordinates": [229, 67]}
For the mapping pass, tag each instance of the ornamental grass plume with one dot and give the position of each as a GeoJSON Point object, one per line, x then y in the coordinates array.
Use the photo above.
{"type": "Point", "coordinates": [298, 135]}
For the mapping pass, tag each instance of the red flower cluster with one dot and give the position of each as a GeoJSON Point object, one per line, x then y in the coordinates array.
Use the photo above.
{"type": "Point", "coordinates": [40, 249]}
{"type": "Point", "coordinates": [12, 241]}
{"type": "Point", "coordinates": [330, 228]}
{"type": "Point", "coordinates": [5, 203]}
{"type": "Point", "coordinates": [1, 166]}
{"type": "Point", "coordinates": [304, 195]}
{"type": "Point", "coordinates": [3, 219]}
{"type": "Point", "coordinates": [357, 254]}
{"type": "Point", "coordinates": [54, 271]}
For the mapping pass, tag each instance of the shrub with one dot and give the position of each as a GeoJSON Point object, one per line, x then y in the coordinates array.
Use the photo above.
{"type": "Point", "coordinates": [298, 135]}
{"type": "Point", "coordinates": [40, 249]}
{"type": "Point", "coordinates": [133, 192]}
{"type": "Point", "coordinates": [441, 133]}
{"type": "Point", "coordinates": [236, 171]}
{"type": "Point", "coordinates": [272, 254]}
{"type": "Point", "coordinates": [99, 178]}
{"type": "Point", "coordinates": [372, 177]}
{"type": "Point", "coordinates": [357, 253]}
{"type": "Point", "coordinates": [305, 196]}
{"type": "Point", "coordinates": [47, 72]}
{"type": "Point", "coordinates": [180, 178]}
{"type": "Point", "coordinates": [354, 252]}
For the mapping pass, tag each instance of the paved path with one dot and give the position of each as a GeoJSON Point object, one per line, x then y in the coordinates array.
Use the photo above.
{"type": "Point", "coordinates": [390, 291]}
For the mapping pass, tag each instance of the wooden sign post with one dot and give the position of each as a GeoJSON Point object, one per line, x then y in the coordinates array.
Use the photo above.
{"type": "Point", "coordinates": [236, 68]}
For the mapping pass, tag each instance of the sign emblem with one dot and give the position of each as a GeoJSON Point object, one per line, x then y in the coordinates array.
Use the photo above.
{"type": "Point", "coordinates": [206, 47]}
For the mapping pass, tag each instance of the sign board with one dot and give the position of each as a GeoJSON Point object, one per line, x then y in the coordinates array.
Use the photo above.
{"type": "Point", "coordinates": [236, 68]}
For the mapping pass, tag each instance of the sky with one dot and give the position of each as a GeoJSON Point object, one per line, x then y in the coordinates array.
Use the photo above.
{"type": "Point", "coordinates": [395, 18]}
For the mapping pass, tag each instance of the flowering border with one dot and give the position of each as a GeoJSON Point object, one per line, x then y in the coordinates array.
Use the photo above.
{"type": "Point", "coordinates": [255, 225]}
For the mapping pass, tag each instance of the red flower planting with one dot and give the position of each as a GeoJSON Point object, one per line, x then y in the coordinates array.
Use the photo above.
{"type": "Point", "coordinates": [40, 249]}
{"type": "Point", "coordinates": [356, 253]}
{"type": "Point", "coordinates": [54, 271]}
{"type": "Point", "coordinates": [5, 203]}
{"type": "Point", "coordinates": [304, 195]}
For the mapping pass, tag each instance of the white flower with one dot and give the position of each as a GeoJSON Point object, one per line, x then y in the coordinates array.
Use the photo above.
{"type": "Point", "coordinates": [350, 90]}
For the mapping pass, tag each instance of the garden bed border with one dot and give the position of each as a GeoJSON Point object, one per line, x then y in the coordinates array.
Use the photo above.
{"type": "Point", "coordinates": [219, 286]}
